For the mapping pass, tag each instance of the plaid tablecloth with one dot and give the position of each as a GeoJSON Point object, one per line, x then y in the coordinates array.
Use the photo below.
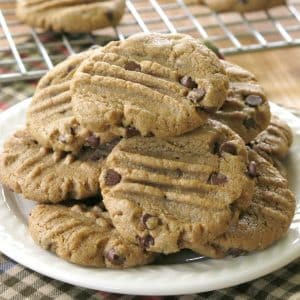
{"type": "Point", "coordinates": [18, 282]}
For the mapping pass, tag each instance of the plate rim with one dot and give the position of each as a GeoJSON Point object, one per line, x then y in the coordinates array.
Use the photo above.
{"type": "Point", "coordinates": [138, 287]}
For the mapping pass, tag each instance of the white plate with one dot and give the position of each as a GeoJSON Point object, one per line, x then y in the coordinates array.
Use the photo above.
{"type": "Point", "coordinates": [194, 277]}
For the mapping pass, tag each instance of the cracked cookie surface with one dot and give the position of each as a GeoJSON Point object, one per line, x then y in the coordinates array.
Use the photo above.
{"type": "Point", "coordinates": [46, 176]}
{"type": "Point", "coordinates": [84, 236]}
{"type": "Point", "coordinates": [155, 84]}
{"type": "Point", "coordinates": [175, 193]}
{"type": "Point", "coordinates": [70, 15]}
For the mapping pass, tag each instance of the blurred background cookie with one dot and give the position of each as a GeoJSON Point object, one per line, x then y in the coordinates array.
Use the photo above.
{"type": "Point", "coordinates": [241, 5]}
{"type": "Point", "coordinates": [70, 16]}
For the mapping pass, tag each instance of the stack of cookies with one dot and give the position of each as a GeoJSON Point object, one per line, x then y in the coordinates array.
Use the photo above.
{"type": "Point", "coordinates": [148, 146]}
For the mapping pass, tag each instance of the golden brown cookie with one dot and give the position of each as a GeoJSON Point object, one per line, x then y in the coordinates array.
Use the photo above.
{"type": "Point", "coordinates": [50, 119]}
{"type": "Point", "coordinates": [180, 192]}
{"type": "Point", "coordinates": [156, 84]}
{"type": "Point", "coordinates": [84, 236]}
{"type": "Point", "coordinates": [46, 176]}
{"type": "Point", "coordinates": [275, 141]}
{"type": "Point", "coordinates": [70, 15]}
{"type": "Point", "coordinates": [241, 5]}
{"type": "Point", "coordinates": [266, 220]}
{"type": "Point", "coordinates": [246, 109]}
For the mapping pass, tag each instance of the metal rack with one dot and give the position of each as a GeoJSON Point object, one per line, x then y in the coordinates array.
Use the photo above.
{"type": "Point", "coordinates": [27, 53]}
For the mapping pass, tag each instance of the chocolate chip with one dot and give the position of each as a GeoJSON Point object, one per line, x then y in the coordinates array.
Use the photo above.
{"type": "Point", "coordinates": [254, 100]}
{"type": "Point", "coordinates": [131, 131]}
{"type": "Point", "coordinates": [93, 141]}
{"type": "Point", "coordinates": [146, 241]}
{"type": "Point", "coordinates": [150, 222]}
{"type": "Point", "coordinates": [196, 95]}
{"type": "Point", "coordinates": [217, 178]}
{"type": "Point", "coordinates": [145, 218]}
{"type": "Point", "coordinates": [252, 170]}
{"type": "Point", "coordinates": [249, 123]}
{"type": "Point", "coordinates": [132, 66]}
{"type": "Point", "coordinates": [188, 82]}
{"type": "Point", "coordinates": [112, 177]}
{"type": "Point", "coordinates": [113, 257]}
{"type": "Point", "coordinates": [150, 134]}
{"type": "Point", "coordinates": [73, 131]}
{"type": "Point", "coordinates": [178, 172]}
{"type": "Point", "coordinates": [215, 148]}
{"type": "Point", "coordinates": [229, 147]}
{"type": "Point", "coordinates": [110, 16]}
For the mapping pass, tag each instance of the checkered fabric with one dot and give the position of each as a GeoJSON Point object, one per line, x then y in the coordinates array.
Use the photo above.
{"type": "Point", "coordinates": [18, 282]}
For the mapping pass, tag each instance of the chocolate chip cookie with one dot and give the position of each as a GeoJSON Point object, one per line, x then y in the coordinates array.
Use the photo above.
{"type": "Point", "coordinates": [241, 5]}
{"type": "Point", "coordinates": [50, 119]}
{"type": "Point", "coordinates": [246, 109]}
{"type": "Point", "coordinates": [152, 84]}
{"type": "Point", "coordinates": [70, 15]}
{"type": "Point", "coordinates": [175, 193]}
{"type": "Point", "coordinates": [84, 236]}
{"type": "Point", "coordinates": [266, 220]}
{"type": "Point", "coordinates": [46, 176]}
{"type": "Point", "coordinates": [275, 141]}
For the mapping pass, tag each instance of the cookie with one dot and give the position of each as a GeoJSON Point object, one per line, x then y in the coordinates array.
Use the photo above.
{"type": "Point", "coordinates": [46, 176]}
{"type": "Point", "coordinates": [84, 236]}
{"type": "Point", "coordinates": [72, 16]}
{"type": "Point", "coordinates": [246, 109]}
{"type": "Point", "coordinates": [152, 84]}
{"type": "Point", "coordinates": [175, 193]}
{"type": "Point", "coordinates": [275, 141]}
{"type": "Point", "coordinates": [266, 220]}
{"type": "Point", "coordinates": [241, 5]}
{"type": "Point", "coordinates": [50, 119]}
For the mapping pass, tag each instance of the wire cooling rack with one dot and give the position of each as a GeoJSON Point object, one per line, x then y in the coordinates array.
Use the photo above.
{"type": "Point", "coordinates": [27, 53]}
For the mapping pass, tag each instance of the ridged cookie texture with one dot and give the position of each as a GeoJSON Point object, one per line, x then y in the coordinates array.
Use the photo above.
{"type": "Point", "coordinates": [84, 236]}
{"type": "Point", "coordinates": [268, 217]}
{"type": "Point", "coordinates": [246, 109]}
{"type": "Point", "coordinates": [241, 5]}
{"type": "Point", "coordinates": [46, 176]}
{"type": "Point", "coordinates": [180, 192]}
{"type": "Point", "coordinates": [155, 84]}
{"type": "Point", "coordinates": [70, 15]}
{"type": "Point", "coordinates": [275, 141]}
{"type": "Point", "coordinates": [50, 119]}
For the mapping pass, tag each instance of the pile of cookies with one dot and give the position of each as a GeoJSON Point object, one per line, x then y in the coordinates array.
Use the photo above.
{"type": "Point", "coordinates": [148, 146]}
